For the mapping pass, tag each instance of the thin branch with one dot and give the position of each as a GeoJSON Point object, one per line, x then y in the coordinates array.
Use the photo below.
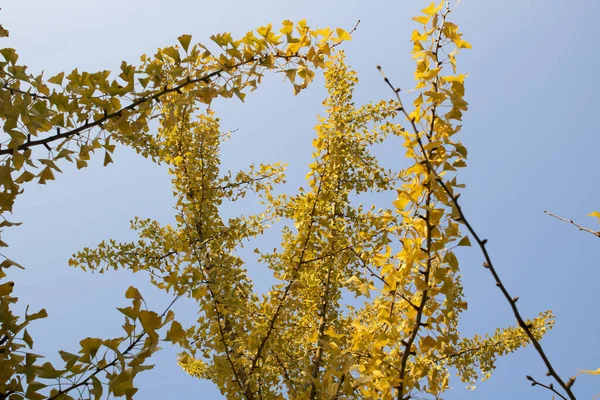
{"type": "Point", "coordinates": [488, 262]}
{"type": "Point", "coordinates": [110, 364]}
{"type": "Point", "coordinates": [469, 350]}
{"type": "Point", "coordinates": [292, 281]}
{"type": "Point", "coordinates": [19, 91]}
{"type": "Point", "coordinates": [374, 275]}
{"type": "Point", "coordinates": [337, 392]}
{"type": "Point", "coordinates": [286, 374]}
{"type": "Point", "coordinates": [511, 300]}
{"type": "Point", "coordinates": [425, 294]}
{"type": "Point", "coordinates": [238, 376]}
{"type": "Point", "coordinates": [549, 387]}
{"type": "Point", "coordinates": [355, 27]}
{"type": "Point", "coordinates": [322, 326]}
{"type": "Point", "coordinates": [570, 221]}
{"type": "Point", "coordinates": [234, 185]}
{"type": "Point", "coordinates": [421, 308]}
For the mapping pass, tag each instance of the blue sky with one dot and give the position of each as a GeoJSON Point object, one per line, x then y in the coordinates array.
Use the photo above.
{"type": "Point", "coordinates": [531, 131]}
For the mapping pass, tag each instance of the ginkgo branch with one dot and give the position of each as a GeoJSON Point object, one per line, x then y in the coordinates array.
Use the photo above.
{"type": "Point", "coordinates": [204, 263]}
{"type": "Point", "coordinates": [472, 350]}
{"type": "Point", "coordinates": [429, 227]}
{"type": "Point", "coordinates": [286, 375]}
{"type": "Point", "coordinates": [242, 383]}
{"type": "Point", "coordinates": [321, 332]}
{"type": "Point", "coordinates": [511, 300]}
{"type": "Point", "coordinates": [482, 245]}
{"type": "Point", "coordinates": [235, 185]}
{"type": "Point", "coordinates": [19, 91]}
{"type": "Point", "coordinates": [286, 292]}
{"type": "Point", "coordinates": [570, 221]}
{"type": "Point", "coordinates": [420, 307]}
{"type": "Point", "coordinates": [155, 97]}
{"type": "Point", "coordinates": [549, 387]}
{"type": "Point", "coordinates": [132, 346]}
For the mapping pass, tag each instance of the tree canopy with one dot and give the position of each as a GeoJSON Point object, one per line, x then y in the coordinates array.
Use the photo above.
{"type": "Point", "coordinates": [368, 297]}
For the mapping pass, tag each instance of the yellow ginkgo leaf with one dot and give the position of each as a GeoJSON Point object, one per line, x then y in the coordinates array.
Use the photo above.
{"type": "Point", "coordinates": [432, 8]}
{"type": "Point", "coordinates": [342, 34]}
{"type": "Point", "coordinates": [590, 372]}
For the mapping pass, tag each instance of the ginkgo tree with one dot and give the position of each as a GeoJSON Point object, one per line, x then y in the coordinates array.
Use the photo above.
{"type": "Point", "coordinates": [396, 338]}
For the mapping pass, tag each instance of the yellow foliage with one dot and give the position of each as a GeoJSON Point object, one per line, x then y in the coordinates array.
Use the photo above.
{"type": "Point", "coordinates": [302, 339]}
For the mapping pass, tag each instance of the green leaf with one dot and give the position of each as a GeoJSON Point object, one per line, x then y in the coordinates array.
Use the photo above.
{"type": "Point", "coordinates": [10, 263]}
{"type": "Point", "coordinates": [97, 388]}
{"type": "Point", "coordinates": [46, 175]}
{"type": "Point", "coordinates": [173, 53]}
{"type": "Point", "coordinates": [32, 389]}
{"type": "Point", "coordinates": [6, 288]}
{"type": "Point", "coordinates": [10, 55]}
{"type": "Point", "coordinates": [150, 320]}
{"type": "Point", "coordinates": [26, 176]}
{"type": "Point", "coordinates": [129, 312]}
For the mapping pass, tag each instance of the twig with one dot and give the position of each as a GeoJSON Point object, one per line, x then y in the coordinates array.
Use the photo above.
{"type": "Point", "coordinates": [512, 301]}
{"type": "Point", "coordinates": [570, 221]}
{"type": "Point", "coordinates": [355, 27]}
{"type": "Point", "coordinates": [549, 387]}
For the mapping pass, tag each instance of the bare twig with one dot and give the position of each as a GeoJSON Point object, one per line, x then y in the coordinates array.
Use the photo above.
{"type": "Point", "coordinates": [570, 221]}
{"type": "Point", "coordinates": [355, 27]}
{"type": "Point", "coordinates": [549, 387]}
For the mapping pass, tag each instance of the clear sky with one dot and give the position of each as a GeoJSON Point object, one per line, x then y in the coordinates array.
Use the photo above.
{"type": "Point", "coordinates": [531, 131]}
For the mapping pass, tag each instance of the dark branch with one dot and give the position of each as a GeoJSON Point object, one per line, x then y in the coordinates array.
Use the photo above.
{"type": "Point", "coordinates": [482, 243]}
{"type": "Point", "coordinates": [570, 221]}
{"type": "Point", "coordinates": [549, 387]}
